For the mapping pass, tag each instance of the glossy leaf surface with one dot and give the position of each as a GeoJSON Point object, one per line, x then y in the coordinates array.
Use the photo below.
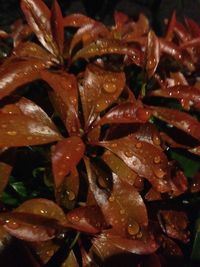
{"type": "Point", "coordinates": [38, 17]}
{"type": "Point", "coordinates": [77, 20]}
{"type": "Point", "coordinates": [66, 154]}
{"type": "Point", "coordinates": [66, 91]}
{"type": "Point", "coordinates": [143, 158]}
{"type": "Point", "coordinates": [33, 125]}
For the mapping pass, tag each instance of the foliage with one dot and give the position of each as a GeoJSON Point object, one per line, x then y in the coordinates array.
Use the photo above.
{"type": "Point", "coordinates": [96, 126]}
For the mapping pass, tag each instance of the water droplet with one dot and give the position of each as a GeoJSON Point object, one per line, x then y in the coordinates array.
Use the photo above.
{"type": "Point", "coordinates": [133, 228]}
{"type": "Point", "coordinates": [71, 195]}
{"type": "Point", "coordinates": [128, 153]}
{"type": "Point", "coordinates": [3, 125]}
{"type": "Point", "coordinates": [29, 137]}
{"type": "Point", "coordinates": [122, 211]}
{"type": "Point", "coordinates": [12, 133]}
{"type": "Point", "coordinates": [75, 218]}
{"type": "Point", "coordinates": [109, 87]}
{"type": "Point", "coordinates": [50, 252]}
{"type": "Point", "coordinates": [157, 159]}
{"type": "Point", "coordinates": [156, 140]}
{"type": "Point", "coordinates": [114, 145]}
{"type": "Point", "coordinates": [139, 235]}
{"type": "Point", "coordinates": [159, 173]}
{"type": "Point", "coordinates": [111, 198]}
{"type": "Point", "coordinates": [12, 225]}
{"type": "Point", "coordinates": [138, 145]}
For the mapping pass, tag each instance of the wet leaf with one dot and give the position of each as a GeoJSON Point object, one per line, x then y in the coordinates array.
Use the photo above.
{"type": "Point", "coordinates": [66, 93]}
{"type": "Point", "coordinates": [57, 25]}
{"type": "Point", "coordinates": [77, 20]}
{"type": "Point", "coordinates": [100, 89]}
{"type": "Point", "coordinates": [38, 17]}
{"type": "Point", "coordinates": [103, 47]}
{"type": "Point", "coordinates": [179, 119]}
{"type": "Point", "coordinates": [174, 224]}
{"type": "Point", "coordinates": [152, 53]}
{"type": "Point", "coordinates": [125, 113]}
{"type": "Point", "coordinates": [18, 72]}
{"type": "Point", "coordinates": [187, 95]}
{"type": "Point", "coordinates": [89, 33]}
{"type": "Point", "coordinates": [143, 158]}
{"type": "Point", "coordinates": [24, 123]}
{"type": "Point", "coordinates": [70, 261]}
{"type": "Point", "coordinates": [87, 219]}
{"type": "Point", "coordinates": [66, 154]}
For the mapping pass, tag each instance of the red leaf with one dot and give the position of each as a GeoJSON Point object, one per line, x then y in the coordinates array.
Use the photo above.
{"type": "Point", "coordinates": [152, 53]}
{"type": "Point", "coordinates": [24, 123]}
{"type": "Point", "coordinates": [120, 20]}
{"type": "Point", "coordinates": [195, 150]}
{"type": "Point", "coordinates": [152, 195]}
{"type": "Point", "coordinates": [18, 72]}
{"type": "Point", "coordinates": [179, 183]}
{"type": "Point", "coordinates": [66, 154]}
{"type": "Point", "coordinates": [57, 25]}
{"type": "Point", "coordinates": [100, 89]}
{"type": "Point", "coordinates": [195, 186]}
{"type": "Point", "coordinates": [77, 20]}
{"type": "Point", "coordinates": [186, 94]}
{"type": "Point", "coordinates": [35, 220]}
{"type": "Point", "coordinates": [29, 50]}
{"type": "Point", "coordinates": [125, 113]}
{"type": "Point", "coordinates": [89, 33]}
{"type": "Point", "coordinates": [87, 219]}
{"type": "Point", "coordinates": [143, 158]}
{"type": "Point", "coordinates": [66, 92]}
{"type": "Point", "coordinates": [123, 209]}
{"type": "Point", "coordinates": [174, 224]}
{"type": "Point", "coordinates": [102, 47]}
{"type": "Point", "coordinates": [124, 173]}
{"type": "Point", "coordinates": [181, 120]}
{"type": "Point", "coordinates": [193, 27]}
{"type": "Point", "coordinates": [5, 170]}
{"type": "Point", "coordinates": [38, 17]}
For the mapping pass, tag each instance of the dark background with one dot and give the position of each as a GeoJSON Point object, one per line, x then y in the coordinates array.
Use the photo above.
{"type": "Point", "coordinates": [103, 10]}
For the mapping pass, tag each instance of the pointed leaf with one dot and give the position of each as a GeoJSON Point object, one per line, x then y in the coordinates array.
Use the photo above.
{"type": "Point", "coordinates": [38, 17]}
{"type": "Point", "coordinates": [18, 72]}
{"type": "Point", "coordinates": [24, 123]}
{"type": "Point", "coordinates": [188, 95]}
{"type": "Point", "coordinates": [174, 224]}
{"type": "Point", "coordinates": [100, 89]}
{"type": "Point", "coordinates": [66, 154]}
{"type": "Point", "coordinates": [89, 33]}
{"type": "Point", "coordinates": [65, 88]}
{"type": "Point", "coordinates": [57, 25]}
{"type": "Point", "coordinates": [152, 53]}
{"type": "Point", "coordinates": [87, 219]}
{"type": "Point", "coordinates": [181, 120]}
{"type": "Point", "coordinates": [77, 20]}
{"type": "Point", "coordinates": [143, 158]}
{"type": "Point", "coordinates": [102, 47]}
{"type": "Point", "coordinates": [125, 113]}
{"type": "Point", "coordinates": [195, 150]}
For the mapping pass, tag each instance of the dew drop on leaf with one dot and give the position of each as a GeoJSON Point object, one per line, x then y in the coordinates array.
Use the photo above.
{"type": "Point", "coordinates": [133, 228]}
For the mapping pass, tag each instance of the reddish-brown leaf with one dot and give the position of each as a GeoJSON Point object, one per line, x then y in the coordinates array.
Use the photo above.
{"type": "Point", "coordinates": [87, 219]}
{"type": "Point", "coordinates": [24, 123]}
{"type": "Point", "coordinates": [123, 209]}
{"type": "Point", "coordinates": [195, 150]}
{"type": "Point", "coordinates": [179, 183]}
{"type": "Point", "coordinates": [181, 120]}
{"type": "Point", "coordinates": [77, 20]}
{"type": "Point", "coordinates": [174, 224]}
{"type": "Point", "coordinates": [66, 154]}
{"type": "Point", "coordinates": [125, 113]}
{"type": "Point", "coordinates": [18, 72]}
{"type": "Point", "coordinates": [120, 20]}
{"type": "Point", "coordinates": [30, 50]}
{"type": "Point", "coordinates": [65, 88]}
{"type": "Point", "coordinates": [152, 53]}
{"type": "Point", "coordinates": [143, 158]}
{"type": "Point", "coordinates": [187, 95]}
{"type": "Point", "coordinates": [57, 25]}
{"type": "Point", "coordinates": [38, 17]}
{"type": "Point", "coordinates": [5, 170]}
{"type": "Point", "coordinates": [89, 33]}
{"type": "Point", "coordinates": [195, 185]}
{"type": "Point", "coordinates": [125, 173]}
{"type": "Point", "coordinates": [100, 89]}
{"type": "Point", "coordinates": [35, 220]}
{"type": "Point", "coordinates": [71, 260]}
{"type": "Point", "coordinates": [102, 47]}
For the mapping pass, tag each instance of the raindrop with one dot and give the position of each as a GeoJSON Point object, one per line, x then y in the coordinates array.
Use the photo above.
{"type": "Point", "coordinates": [109, 87]}
{"type": "Point", "coordinates": [138, 145]}
{"type": "Point", "coordinates": [12, 225]}
{"type": "Point", "coordinates": [12, 133]}
{"type": "Point", "coordinates": [128, 153]}
{"type": "Point", "coordinates": [156, 140]}
{"type": "Point", "coordinates": [159, 173]}
{"type": "Point", "coordinates": [157, 159]}
{"type": "Point", "coordinates": [133, 228]}
{"type": "Point", "coordinates": [71, 195]}
{"type": "Point", "coordinates": [111, 198]}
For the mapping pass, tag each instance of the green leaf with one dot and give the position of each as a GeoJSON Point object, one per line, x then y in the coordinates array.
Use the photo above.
{"type": "Point", "coordinates": [19, 188]}
{"type": "Point", "coordinates": [195, 256]}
